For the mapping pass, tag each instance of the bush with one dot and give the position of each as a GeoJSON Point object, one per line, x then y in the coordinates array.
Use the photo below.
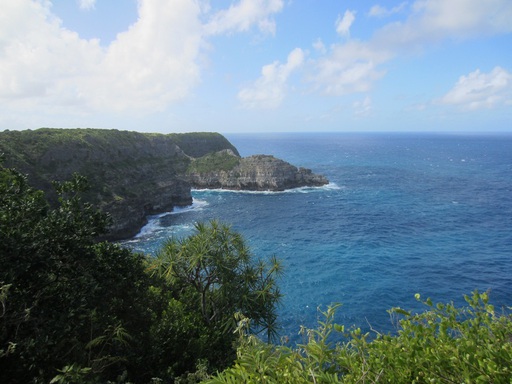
{"type": "Point", "coordinates": [445, 344]}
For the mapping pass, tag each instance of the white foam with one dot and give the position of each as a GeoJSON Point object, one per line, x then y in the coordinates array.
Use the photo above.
{"type": "Point", "coordinates": [196, 206]}
{"type": "Point", "coordinates": [153, 224]}
{"type": "Point", "coordinates": [330, 186]}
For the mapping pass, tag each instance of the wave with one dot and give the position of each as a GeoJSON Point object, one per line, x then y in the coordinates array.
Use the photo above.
{"type": "Point", "coordinates": [154, 222]}
{"type": "Point", "coordinates": [328, 187]}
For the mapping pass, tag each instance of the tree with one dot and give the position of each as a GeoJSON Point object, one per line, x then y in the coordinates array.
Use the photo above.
{"type": "Point", "coordinates": [66, 299]}
{"type": "Point", "coordinates": [213, 275]}
{"type": "Point", "coordinates": [74, 309]}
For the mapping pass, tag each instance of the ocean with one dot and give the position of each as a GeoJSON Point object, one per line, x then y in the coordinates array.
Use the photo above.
{"type": "Point", "coordinates": [403, 214]}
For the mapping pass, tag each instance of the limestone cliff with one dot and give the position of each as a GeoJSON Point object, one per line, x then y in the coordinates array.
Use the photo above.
{"type": "Point", "coordinates": [258, 173]}
{"type": "Point", "coordinates": [133, 174]}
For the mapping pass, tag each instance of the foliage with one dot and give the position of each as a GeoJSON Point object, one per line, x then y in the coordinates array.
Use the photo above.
{"type": "Point", "coordinates": [214, 162]}
{"type": "Point", "coordinates": [74, 310]}
{"type": "Point", "coordinates": [198, 144]}
{"type": "Point", "coordinates": [30, 146]}
{"type": "Point", "coordinates": [445, 344]}
{"type": "Point", "coordinates": [213, 277]}
{"type": "Point", "coordinates": [65, 290]}
{"type": "Point", "coordinates": [215, 267]}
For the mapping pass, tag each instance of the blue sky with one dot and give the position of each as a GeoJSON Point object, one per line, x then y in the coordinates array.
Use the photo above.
{"type": "Point", "coordinates": [257, 65]}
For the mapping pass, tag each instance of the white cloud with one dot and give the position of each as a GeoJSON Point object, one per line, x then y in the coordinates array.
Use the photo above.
{"type": "Point", "coordinates": [45, 67]}
{"type": "Point", "coordinates": [37, 55]}
{"type": "Point", "coordinates": [155, 62]}
{"type": "Point", "coordinates": [380, 11]}
{"type": "Point", "coordinates": [86, 4]}
{"type": "Point", "coordinates": [269, 90]}
{"type": "Point", "coordinates": [244, 15]}
{"type": "Point", "coordinates": [481, 90]}
{"type": "Point", "coordinates": [344, 23]}
{"type": "Point", "coordinates": [362, 107]}
{"type": "Point", "coordinates": [319, 46]}
{"type": "Point", "coordinates": [50, 71]}
{"type": "Point", "coordinates": [348, 68]}
{"type": "Point", "coordinates": [433, 21]}
{"type": "Point", "coordinates": [353, 66]}
{"type": "Point", "coordinates": [465, 18]}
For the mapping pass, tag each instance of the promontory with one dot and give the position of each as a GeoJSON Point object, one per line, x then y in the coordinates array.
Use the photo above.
{"type": "Point", "coordinates": [133, 175]}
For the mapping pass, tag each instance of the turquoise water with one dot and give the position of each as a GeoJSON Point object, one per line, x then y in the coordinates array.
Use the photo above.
{"type": "Point", "coordinates": [404, 214]}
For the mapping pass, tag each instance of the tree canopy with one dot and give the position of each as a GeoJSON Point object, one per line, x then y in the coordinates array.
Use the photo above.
{"type": "Point", "coordinates": [75, 309]}
{"type": "Point", "coordinates": [66, 298]}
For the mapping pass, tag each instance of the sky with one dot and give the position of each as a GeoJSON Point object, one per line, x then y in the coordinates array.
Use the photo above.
{"type": "Point", "coordinates": [257, 65]}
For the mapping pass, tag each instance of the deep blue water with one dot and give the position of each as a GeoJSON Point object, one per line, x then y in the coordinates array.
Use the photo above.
{"type": "Point", "coordinates": [404, 214]}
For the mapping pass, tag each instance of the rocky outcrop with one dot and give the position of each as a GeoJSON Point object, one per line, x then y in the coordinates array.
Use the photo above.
{"type": "Point", "coordinates": [257, 173]}
{"type": "Point", "coordinates": [133, 175]}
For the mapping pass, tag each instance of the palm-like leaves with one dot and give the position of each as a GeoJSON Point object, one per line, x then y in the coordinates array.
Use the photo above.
{"type": "Point", "coordinates": [216, 264]}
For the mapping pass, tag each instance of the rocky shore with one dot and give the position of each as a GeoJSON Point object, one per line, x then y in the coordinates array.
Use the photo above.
{"type": "Point", "coordinates": [258, 173]}
{"type": "Point", "coordinates": [133, 175]}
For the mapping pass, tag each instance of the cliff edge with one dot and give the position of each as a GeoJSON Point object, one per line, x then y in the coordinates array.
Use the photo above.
{"type": "Point", "coordinates": [134, 174]}
{"type": "Point", "coordinates": [255, 173]}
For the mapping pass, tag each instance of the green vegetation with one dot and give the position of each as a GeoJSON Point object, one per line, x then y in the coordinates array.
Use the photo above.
{"type": "Point", "coordinates": [198, 144]}
{"type": "Point", "coordinates": [445, 344]}
{"type": "Point", "coordinates": [131, 174]}
{"type": "Point", "coordinates": [113, 161]}
{"type": "Point", "coordinates": [214, 162]}
{"type": "Point", "coordinates": [75, 310]}
{"type": "Point", "coordinates": [31, 144]}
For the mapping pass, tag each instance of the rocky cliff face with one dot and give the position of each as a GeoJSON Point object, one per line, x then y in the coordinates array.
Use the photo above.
{"type": "Point", "coordinates": [258, 173]}
{"type": "Point", "coordinates": [133, 175]}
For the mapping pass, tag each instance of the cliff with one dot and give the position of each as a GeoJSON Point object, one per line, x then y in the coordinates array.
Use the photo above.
{"type": "Point", "coordinates": [133, 174]}
{"type": "Point", "coordinates": [257, 173]}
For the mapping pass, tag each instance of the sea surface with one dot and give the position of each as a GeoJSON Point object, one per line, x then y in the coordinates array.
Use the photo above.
{"type": "Point", "coordinates": [403, 214]}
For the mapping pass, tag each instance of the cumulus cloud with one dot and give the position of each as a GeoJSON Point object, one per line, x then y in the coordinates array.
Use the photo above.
{"type": "Point", "coordinates": [354, 65]}
{"type": "Point", "coordinates": [319, 46]}
{"type": "Point", "coordinates": [155, 62]}
{"type": "Point", "coordinates": [37, 56]}
{"type": "Point", "coordinates": [481, 90]}
{"type": "Point", "coordinates": [86, 4]}
{"type": "Point", "coordinates": [49, 70]}
{"type": "Point", "coordinates": [269, 90]}
{"type": "Point", "coordinates": [348, 68]}
{"type": "Point", "coordinates": [242, 16]}
{"type": "Point", "coordinates": [380, 11]}
{"type": "Point", "coordinates": [362, 107]}
{"type": "Point", "coordinates": [344, 23]}
{"type": "Point", "coordinates": [433, 21]}
{"type": "Point", "coordinates": [44, 65]}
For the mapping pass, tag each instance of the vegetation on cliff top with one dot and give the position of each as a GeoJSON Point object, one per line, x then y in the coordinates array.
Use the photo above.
{"type": "Point", "coordinates": [48, 153]}
{"type": "Point", "coordinates": [131, 174]}
{"type": "Point", "coordinates": [214, 162]}
{"type": "Point", "coordinates": [32, 144]}
{"type": "Point", "coordinates": [134, 174]}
